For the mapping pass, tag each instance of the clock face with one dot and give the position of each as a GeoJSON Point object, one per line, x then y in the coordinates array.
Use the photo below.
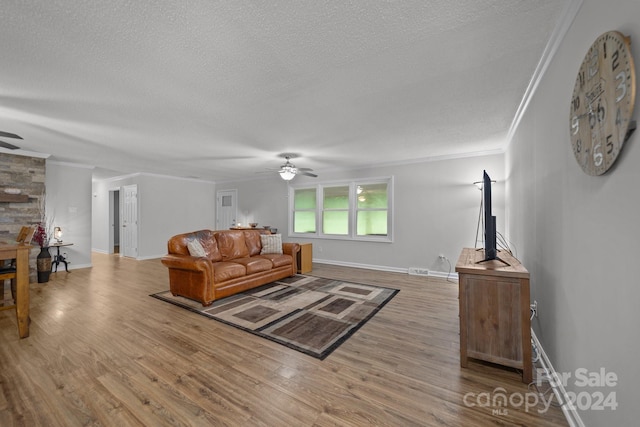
{"type": "Point", "coordinates": [602, 103]}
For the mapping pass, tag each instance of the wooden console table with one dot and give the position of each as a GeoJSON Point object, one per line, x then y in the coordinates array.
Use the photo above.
{"type": "Point", "coordinates": [19, 252]}
{"type": "Point", "coordinates": [494, 311]}
{"type": "Point", "coordinates": [305, 258]}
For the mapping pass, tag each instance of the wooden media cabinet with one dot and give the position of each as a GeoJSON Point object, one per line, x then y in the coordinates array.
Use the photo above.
{"type": "Point", "coordinates": [494, 311]}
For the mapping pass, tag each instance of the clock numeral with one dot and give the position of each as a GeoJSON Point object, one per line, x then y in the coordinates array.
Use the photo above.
{"type": "Point", "coordinates": [575, 125]}
{"type": "Point", "coordinates": [578, 146]}
{"type": "Point", "coordinates": [576, 103]}
{"type": "Point", "coordinates": [614, 60]}
{"type": "Point", "coordinates": [593, 63]}
{"type": "Point", "coordinates": [597, 155]}
{"type": "Point", "coordinates": [592, 120]}
{"type": "Point", "coordinates": [609, 144]}
{"type": "Point", "coordinates": [618, 117]}
{"type": "Point", "coordinates": [600, 112]}
{"type": "Point", "coordinates": [622, 85]}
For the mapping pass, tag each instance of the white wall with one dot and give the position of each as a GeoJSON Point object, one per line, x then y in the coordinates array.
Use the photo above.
{"type": "Point", "coordinates": [166, 206]}
{"type": "Point", "coordinates": [436, 212]}
{"type": "Point", "coordinates": [578, 235]}
{"type": "Point", "coordinates": [263, 201]}
{"type": "Point", "coordinates": [69, 203]}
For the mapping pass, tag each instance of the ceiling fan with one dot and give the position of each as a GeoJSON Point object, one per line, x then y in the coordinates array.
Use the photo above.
{"type": "Point", "coordinates": [288, 171]}
{"type": "Point", "coordinates": [6, 144]}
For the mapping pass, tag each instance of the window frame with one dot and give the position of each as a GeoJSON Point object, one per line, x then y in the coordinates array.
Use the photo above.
{"type": "Point", "coordinates": [352, 210]}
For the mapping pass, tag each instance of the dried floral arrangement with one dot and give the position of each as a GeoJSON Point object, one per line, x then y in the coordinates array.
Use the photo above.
{"type": "Point", "coordinates": [44, 230]}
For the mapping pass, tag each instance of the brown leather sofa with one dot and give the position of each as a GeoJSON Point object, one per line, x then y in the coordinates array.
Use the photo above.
{"type": "Point", "coordinates": [232, 264]}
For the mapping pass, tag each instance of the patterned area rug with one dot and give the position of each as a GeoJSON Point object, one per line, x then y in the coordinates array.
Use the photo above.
{"type": "Point", "coordinates": [309, 314]}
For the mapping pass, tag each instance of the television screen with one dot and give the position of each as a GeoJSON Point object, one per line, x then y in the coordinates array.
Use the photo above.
{"type": "Point", "coordinates": [490, 249]}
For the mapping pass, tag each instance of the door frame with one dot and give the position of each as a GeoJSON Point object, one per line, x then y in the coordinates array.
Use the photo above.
{"type": "Point", "coordinates": [219, 194]}
{"type": "Point", "coordinates": [113, 192]}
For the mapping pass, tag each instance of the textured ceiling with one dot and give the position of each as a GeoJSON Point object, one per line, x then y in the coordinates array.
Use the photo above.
{"type": "Point", "coordinates": [217, 89]}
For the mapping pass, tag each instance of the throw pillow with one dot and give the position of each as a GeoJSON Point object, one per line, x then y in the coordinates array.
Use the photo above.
{"type": "Point", "coordinates": [271, 243]}
{"type": "Point", "coordinates": [195, 248]}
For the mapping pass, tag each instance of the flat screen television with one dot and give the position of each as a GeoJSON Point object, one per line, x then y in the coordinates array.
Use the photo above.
{"type": "Point", "coordinates": [490, 241]}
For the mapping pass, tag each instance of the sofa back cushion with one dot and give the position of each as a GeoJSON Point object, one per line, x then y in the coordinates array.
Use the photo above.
{"type": "Point", "coordinates": [178, 244]}
{"type": "Point", "coordinates": [254, 244]}
{"type": "Point", "coordinates": [232, 244]}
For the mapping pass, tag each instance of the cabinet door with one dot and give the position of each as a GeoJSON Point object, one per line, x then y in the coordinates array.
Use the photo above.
{"type": "Point", "coordinates": [494, 320]}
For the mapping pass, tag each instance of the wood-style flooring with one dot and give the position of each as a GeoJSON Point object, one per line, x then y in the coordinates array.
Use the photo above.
{"type": "Point", "coordinates": [102, 352]}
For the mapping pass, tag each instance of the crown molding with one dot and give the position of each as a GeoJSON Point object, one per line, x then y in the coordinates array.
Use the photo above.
{"type": "Point", "coordinates": [568, 15]}
{"type": "Point", "coordinates": [25, 153]}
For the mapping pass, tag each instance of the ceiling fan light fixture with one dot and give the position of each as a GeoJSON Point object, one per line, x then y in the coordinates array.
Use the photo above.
{"type": "Point", "coordinates": [287, 173]}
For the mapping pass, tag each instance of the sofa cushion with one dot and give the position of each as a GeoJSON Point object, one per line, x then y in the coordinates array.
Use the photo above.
{"type": "Point", "coordinates": [210, 246]}
{"type": "Point", "coordinates": [278, 260]}
{"type": "Point", "coordinates": [195, 248]}
{"type": "Point", "coordinates": [223, 271]}
{"type": "Point", "coordinates": [232, 245]}
{"type": "Point", "coordinates": [254, 264]}
{"type": "Point", "coordinates": [271, 243]}
{"type": "Point", "coordinates": [253, 241]}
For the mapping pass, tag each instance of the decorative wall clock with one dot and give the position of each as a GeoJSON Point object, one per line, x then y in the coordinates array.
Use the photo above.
{"type": "Point", "coordinates": [602, 103]}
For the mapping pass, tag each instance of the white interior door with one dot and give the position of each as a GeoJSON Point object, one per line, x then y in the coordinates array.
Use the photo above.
{"type": "Point", "coordinates": [226, 209]}
{"type": "Point", "coordinates": [130, 221]}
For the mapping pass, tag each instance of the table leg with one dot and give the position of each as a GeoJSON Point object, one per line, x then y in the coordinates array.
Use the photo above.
{"type": "Point", "coordinates": [22, 292]}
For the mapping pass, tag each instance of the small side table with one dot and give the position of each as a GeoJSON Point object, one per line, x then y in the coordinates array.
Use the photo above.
{"type": "Point", "coordinates": [305, 257]}
{"type": "Point", "coordinates": [57, 258]}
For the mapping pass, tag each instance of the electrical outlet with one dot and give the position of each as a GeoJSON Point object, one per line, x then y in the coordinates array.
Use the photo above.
{"type": "Point", "coordinates": [534, 308]}
{"type": "Point", "coordinates": [418, 271]}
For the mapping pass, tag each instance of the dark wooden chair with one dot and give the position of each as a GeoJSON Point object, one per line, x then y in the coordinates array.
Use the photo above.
{"type": "Point", "coordinates": [8, 269]}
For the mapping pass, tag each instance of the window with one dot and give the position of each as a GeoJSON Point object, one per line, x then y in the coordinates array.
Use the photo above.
{"type": "Point", "coordinates": [335, 210]}
{"type": "Point", "coordinates": [304, 211]}
{"type": "Point", "coordinates": [357, 210]}
{"type": "Point", "coordinates": [372, 207]}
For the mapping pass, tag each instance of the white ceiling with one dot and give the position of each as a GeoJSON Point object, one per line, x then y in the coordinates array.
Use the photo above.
{"type": "Point", "coordinates": [217, 89]}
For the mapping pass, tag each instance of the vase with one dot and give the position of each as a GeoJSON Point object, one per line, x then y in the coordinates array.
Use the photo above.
{"type": "Point", "coordinates": [43, 263]}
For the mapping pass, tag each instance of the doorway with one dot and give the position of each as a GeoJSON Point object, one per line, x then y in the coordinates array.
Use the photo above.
{"type": "Point", "coordinates": [114, 221]}
{"type": "Point", "coordinates": [226, 209]}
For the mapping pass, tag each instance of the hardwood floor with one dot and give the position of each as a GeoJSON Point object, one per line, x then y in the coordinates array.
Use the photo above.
{"type": "Point", "coordinates": [102, 352]}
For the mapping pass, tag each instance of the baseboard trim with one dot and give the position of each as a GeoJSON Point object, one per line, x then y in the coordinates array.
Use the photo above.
{"type": "Point", "coordinates": [439, 274]}
{"type": "Point", "coordinates": [444, 275]}
{"type": "Point", "coordinates": [71, 266]}
{"type": "Point", "coordinates": [357, 265]}
{"type": "Point", "coordinates": [571, 414]}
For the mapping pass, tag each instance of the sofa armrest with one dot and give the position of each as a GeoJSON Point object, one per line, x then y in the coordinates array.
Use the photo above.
{"type": "Point", "coordinates": [190, 277]}
{"type": "Point", "coordinates": [189, 265]}
{"type": "Point", "coordinates": [187, 262]}
{"type": "Point", "coordinates": [292, 249]}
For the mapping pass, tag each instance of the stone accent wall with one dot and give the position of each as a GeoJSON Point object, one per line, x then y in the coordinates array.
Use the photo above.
{"type": "Point", "coordinates": [27, 174]}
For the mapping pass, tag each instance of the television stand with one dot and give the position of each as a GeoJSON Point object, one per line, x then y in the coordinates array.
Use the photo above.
{"type": "Point", "coordinates": [494, 311]}
{"type": "Point", "coordinates": [496, 258]}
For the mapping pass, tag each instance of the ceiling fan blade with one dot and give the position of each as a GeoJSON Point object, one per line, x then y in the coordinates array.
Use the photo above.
{"type": "Point", "coordinates": [8, 146]}
{"type": "Point", "coordinates": [9, 135]}
{"type": "Point", "coordinates": [306, 173]}
{"type": "Point", "coordinates": [305, 169]}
